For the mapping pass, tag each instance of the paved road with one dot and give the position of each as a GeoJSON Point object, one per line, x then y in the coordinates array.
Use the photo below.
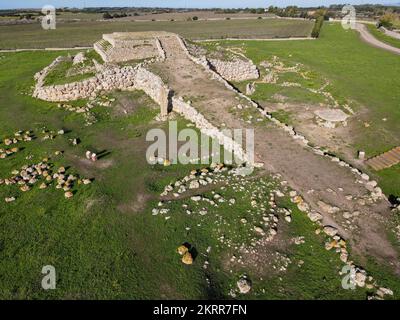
{"type": "Point", "coordinates": [370, 39]}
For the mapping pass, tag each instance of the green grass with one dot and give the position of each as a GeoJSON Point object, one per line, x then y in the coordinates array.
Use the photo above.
{"type": "Point", "coordinates": [283, 116]}
{"type": "Point", "coordinates": [98, 251]}
{"type": "Point", "coordinates": [70, 34]}
{"type": "Point", "coordinates": [383, 37]}
{"type": "Point", "coordinates": [104, 243]}
{"type": "Point", "coordinates": [58, 74]}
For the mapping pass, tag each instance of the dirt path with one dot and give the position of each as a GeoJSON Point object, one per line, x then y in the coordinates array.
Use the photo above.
{"type": "Point", "coordinates": [315, 177]}
{"type": "Point", "coordinates": [369, 38]}
{"type": "Point", "coordinates": [392, 34]}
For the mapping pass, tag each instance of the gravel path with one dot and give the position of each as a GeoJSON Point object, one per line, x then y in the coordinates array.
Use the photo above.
{"type": "Point", "coordinates": [392, 34]}
{"type": "Point", "coordinates": [369, 38]}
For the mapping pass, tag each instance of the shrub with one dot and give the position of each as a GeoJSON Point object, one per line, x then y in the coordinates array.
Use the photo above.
{"type": "Point", "coordinates": [317, 27]}
{"type": "Point", "coordinates": [106, 15]}
{"type": "Point", "coordinates": [387, 20]}
{"type": "Point", "coordinates": [195, 18]}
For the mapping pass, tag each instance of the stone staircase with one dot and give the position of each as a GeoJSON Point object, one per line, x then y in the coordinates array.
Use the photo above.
{"type": "Point", "coordinates": [101, 47]}
{"type": "Point", "coordinates": [385, 160]}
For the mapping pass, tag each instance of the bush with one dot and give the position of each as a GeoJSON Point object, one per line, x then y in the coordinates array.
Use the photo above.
{"type": "Point", "coordinates": [195, 18]}
{"type": "Point", "coordinates": [387, 20]}
{"type": "Point", "coordinates": [317, 27]}
{"type": "Point", "coordinates": [106, 15]}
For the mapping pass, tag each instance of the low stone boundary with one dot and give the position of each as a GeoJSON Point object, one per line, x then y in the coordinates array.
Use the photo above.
{"type": "Point", "coordinates": [191, 114]}
{"type": "Point", "coordinates": [160, 49]}
{"type": "Point", "coordinates": [236, 70]}
{"type": "Point", "coordinates": [112, 78]}
{"type": "Point", "coordinates": [41, 75]}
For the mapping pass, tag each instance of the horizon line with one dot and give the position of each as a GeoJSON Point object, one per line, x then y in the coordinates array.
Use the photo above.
{"type": "Point", "coordinates": [397, 4]}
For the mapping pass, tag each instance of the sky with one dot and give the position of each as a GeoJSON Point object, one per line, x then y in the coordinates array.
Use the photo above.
{"type": "Point", "coordinates": [11, 4]}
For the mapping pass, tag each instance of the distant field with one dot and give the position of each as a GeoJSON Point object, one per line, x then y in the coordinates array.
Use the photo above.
{"type": "Point", "coordinates": [86, 33]}
{"type": "Point", "coordinates": [198, 14]}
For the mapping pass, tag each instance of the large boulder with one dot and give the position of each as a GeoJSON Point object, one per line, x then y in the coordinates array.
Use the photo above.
{"type": "Point", "coordinates": [244, 285]}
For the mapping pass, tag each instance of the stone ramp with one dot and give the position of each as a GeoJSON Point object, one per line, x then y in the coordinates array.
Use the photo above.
{"type": "Point", "coordinates": [385, 160]}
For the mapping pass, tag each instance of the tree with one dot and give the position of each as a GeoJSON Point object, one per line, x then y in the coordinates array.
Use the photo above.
{"type": "Point", "coordinates": [317, 27]}
{"type": "Point", "coordinates": [387, 20]}
{"type": "Point", "coordinates": [107, 16]}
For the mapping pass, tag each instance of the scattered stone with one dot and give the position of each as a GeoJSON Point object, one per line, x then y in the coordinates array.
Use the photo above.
{"type": "Point", "coordinates": [244, 285]}
{"type": "Point", "coordinates": [10, 199]}
{"type": "Point", "coordinates": [360, 279]}
{"type": "Point", "coordinates": [183, 250]}
{"type": "Point", "coordinates": [330, 231]}
{"type": "Point", "coordinates": [68, 194]}
{"type": "Point", "coordinates": [259, 230]}
{"type": "Point", "coordinates": [187, 258]}
{"type": "Point", "coordinates": [314, 216]}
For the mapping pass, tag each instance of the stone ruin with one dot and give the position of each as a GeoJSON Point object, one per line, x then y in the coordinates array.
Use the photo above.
{"type": "Point", "coordinates": [330, 117]}
{"type": "Point", "coordinates": [125, 46]}
{"type": "Point", "coordinates": [122, 47]}
{"type": "Point", "coordinates": [235, 70]}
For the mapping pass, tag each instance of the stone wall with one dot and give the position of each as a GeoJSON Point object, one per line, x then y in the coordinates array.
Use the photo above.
{"type": "Point", "coordinates": [41, 75]}
{"type": "Point", "coordinates": [191, 114]}
{"type": "Point", "coordinates": [108, 80]}
{"type": "Point", "coordinates": [236, 70]}
{"type": "Point", "coordinates": [154, 87]}
{"type": "Point", "coordinates": [160, 49]}
{"type": "Point", "coordinates": [112, 78]}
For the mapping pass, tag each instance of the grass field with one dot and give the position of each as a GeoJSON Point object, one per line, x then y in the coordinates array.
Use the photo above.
{"type": "Point", "coordinates": [86, 33]}
{"type": "Point", "coordinates": [383, 37]}
{"type": "Point", "coordinates": [359, 73]}
{"type": "Point", "coordinates": [104, 242]}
